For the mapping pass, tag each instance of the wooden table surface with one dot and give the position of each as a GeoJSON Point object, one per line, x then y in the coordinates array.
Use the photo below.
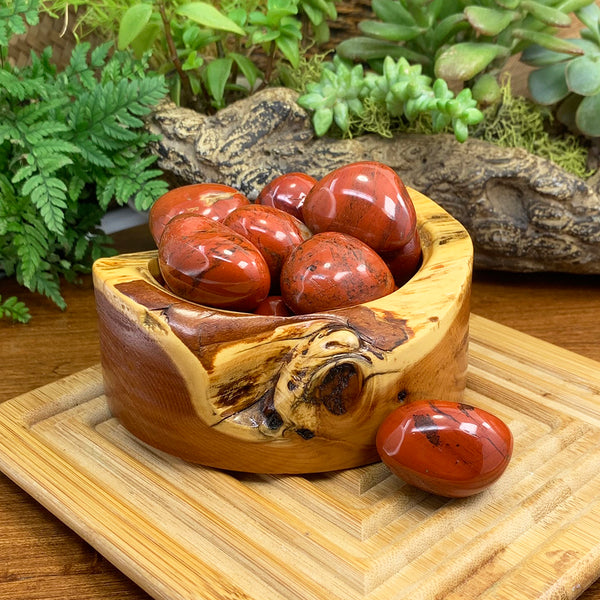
{"type": "Point", "coordinates": [41, 559]}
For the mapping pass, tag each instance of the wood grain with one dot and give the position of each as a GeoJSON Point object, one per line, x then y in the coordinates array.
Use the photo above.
{"type": "Point", "coordinates": [559, 309]}
{"type": "Point", "coordinates": [183, 531]}
{"type": "Point", "coordinates": [298, 394]}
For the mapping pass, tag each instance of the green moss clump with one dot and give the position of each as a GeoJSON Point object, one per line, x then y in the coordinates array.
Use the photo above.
{"type": "Point", "coordinates": [309, 70]}
{"type": "Point", "coordinates": [516, 122]}
{"type": "Point", "coordinates": [374, 119]}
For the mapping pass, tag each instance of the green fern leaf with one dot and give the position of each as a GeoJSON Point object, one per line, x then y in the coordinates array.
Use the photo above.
{"type": "Point", "coordinates": [14, 309]}
{"type": "Point", "coordinates": [99, 54]}
{"type": "Point", "coordinates": [29, 255]}
{"type": "Point", "coordinates": [48, 195]}
{"type": "Point", "coordinates": [116, 131]}
{"type": "Point", "coordinates": [49, 285]}
{"type": "Point", "coordinates": [7, 196]}
{"type": "Point", "coordinates": [95, 156]}
{"type": "Point", "coordinates": [50, 163]}
{"type": "Point", "coordinates": [38, 129]}
{"type": "Point", "coordinates": [12, 86]}
{"type": "Point", "coordinates": [24, 172]}
{"type": "Point", "coordinates": [37, 113]}
{"type": "Point", "coordinates": [106, 192]}
{"type": "Point", "coordinates": [78, 69]}
{"type": "Point", "coordinates": [8, 131]}
{"type": "Point", "coordinates": [75, 187]}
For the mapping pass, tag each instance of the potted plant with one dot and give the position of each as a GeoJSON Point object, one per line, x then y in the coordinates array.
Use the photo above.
{"type": "Point", "coordinates": [422, 90]}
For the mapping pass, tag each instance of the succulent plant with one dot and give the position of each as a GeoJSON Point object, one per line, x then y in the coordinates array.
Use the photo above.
{"type": "Point", "coordinates": [402, 90]}
{"type": "Point", "coordinates": [458, 40]}
{"type": "Point", "coordinates": [571, 83]}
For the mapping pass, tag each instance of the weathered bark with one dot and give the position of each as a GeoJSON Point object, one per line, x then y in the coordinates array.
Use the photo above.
{"type": "Point", "coordinates": [523, 213]}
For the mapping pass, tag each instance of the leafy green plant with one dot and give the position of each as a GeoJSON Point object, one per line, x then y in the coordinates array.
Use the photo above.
{"type": "Point", "coordinates": [315, 15]}
{"type": "Point", "coordinates": [572, 84]}
{"type": "Point", "coordinates": [71, 144]}
{"type": "Point", "coordinates": [277, 29]}
{"type": "Point", "coordinates": [345, 92]}
{"type": "Point", "coordinates": [457, 40]}
{"type": "Point", "coordinates": [211, 54]}
{"type": "Point", "coordinates": [13, 309]}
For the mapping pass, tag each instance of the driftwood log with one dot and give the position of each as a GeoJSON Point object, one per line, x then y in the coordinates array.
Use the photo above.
{"type": "Point", "coordinates": [296, 394]}
{"type": "Point", "coordinates": [523, 212]}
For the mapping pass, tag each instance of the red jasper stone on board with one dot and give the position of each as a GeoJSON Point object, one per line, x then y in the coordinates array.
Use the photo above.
{"type": "Point", "coordinates": [333, 270]}
{"type": "Point", "coordinates": [287, 192]}
{"type": "Point", "coordinates": [366, 200]}
{"type": "Point", "coordinates": [446, 448]}
{"type": "Point", "coordinates": [212, 200]}
{"type": "Point", "coordinates": [275, 233]}
{"type": "Point", "coordinates": [206, 262]}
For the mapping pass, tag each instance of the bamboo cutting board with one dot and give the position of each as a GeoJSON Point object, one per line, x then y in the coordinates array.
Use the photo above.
{"type": "Point", "coordinates": [182, 531]}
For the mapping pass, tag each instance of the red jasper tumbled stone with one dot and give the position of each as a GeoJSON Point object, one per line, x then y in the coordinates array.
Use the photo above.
{"type": "Point", "coordinates": [287, 192]}
{"type": "Point", "coordinates": [333, 270]}
{"type": "Point", "coordinates": [206, 262]}
{"type": "Point", "coordinates": [404, 263]}
{"type": "Point", "coordinates": [213, 200]}
{"type": "Point", "coordinates": [274, 232]}
{"type": "Point", "coordinates": [273, 306]}
{"type": "Point", "coordinates": [366, 200]}
{"type": "Point", "coordinates": [446, 448]}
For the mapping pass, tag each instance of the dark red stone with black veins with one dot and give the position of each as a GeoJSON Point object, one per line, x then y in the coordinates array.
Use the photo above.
{"type": "Point", "coordinates": [275, 233]}
{"type": "Point", "coordinates": [333, 270]}
{"type": "Point", "coordinates": [206, 262]}
{"type": "Point", "coordinates": [445, 448]}
{"type": "Point", "coordinates": [287, 192]}
{"type": "Point", "coordinates": [366, 200]}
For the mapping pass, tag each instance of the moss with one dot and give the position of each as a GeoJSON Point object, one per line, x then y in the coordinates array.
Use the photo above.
{"type": "Point", "coordinates": [309, 70]}
{"type": "Point", "coordinates": [517, 122]}
{"type": "Point", "coordinates": [374, 119]}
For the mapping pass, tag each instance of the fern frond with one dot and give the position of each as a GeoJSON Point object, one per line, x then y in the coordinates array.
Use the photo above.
{"type": "Point", "coordinates": [48, 284]}
{"type": "Point", "coordinates": [48, 195]}
{"type": "Point", "coordinates": [38, 113]}
{"type": "Point", "coordinates": [12, 86]}
{"type": "Point", "coordinates": [30, 252]}
{"type": "Point", "coordinates": [75, 187]}
{"type": "Point", "coordinates": [99, 55]}
{"type": "Point", "coordinates": [13, 309]}
{"type": "Point", "coordinates": [94, 155]}
{"type": "Point", "coordinates": [78, 70]}
{"type": "Point", "coordinates": [13, 17]}
{"type": "Point", "coordinates": [8, 131]}
{"type": "Point", "coordinates": [70, 143]}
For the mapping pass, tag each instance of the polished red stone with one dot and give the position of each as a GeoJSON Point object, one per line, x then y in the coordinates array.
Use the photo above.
{"type": "Point", "coordinates": [404, 263]}
{"type": "Point", "coordinates": [333, 270]}
{"type": "Point", "coordinates": [366, 200]}
{"type": "Point", "coordinates": [287, 192]}
{"type": "Point", "coordinates": [204, 261]}
{"type": "Point", "coordinates": [274, 232]}
{"type": "Point", "coordinates": [445, 448]}
{"type": "Point", "coordinates": [273, 306]}
{"type": "Point", "coordinates": [212, 200]}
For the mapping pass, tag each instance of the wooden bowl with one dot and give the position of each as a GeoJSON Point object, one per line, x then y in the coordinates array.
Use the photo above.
{"type": "Point", "coordinates": [295, 394]}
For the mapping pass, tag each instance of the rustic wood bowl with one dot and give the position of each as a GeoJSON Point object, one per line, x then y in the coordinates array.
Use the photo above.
{"type": "Point", "coordinates": [295, 394]}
